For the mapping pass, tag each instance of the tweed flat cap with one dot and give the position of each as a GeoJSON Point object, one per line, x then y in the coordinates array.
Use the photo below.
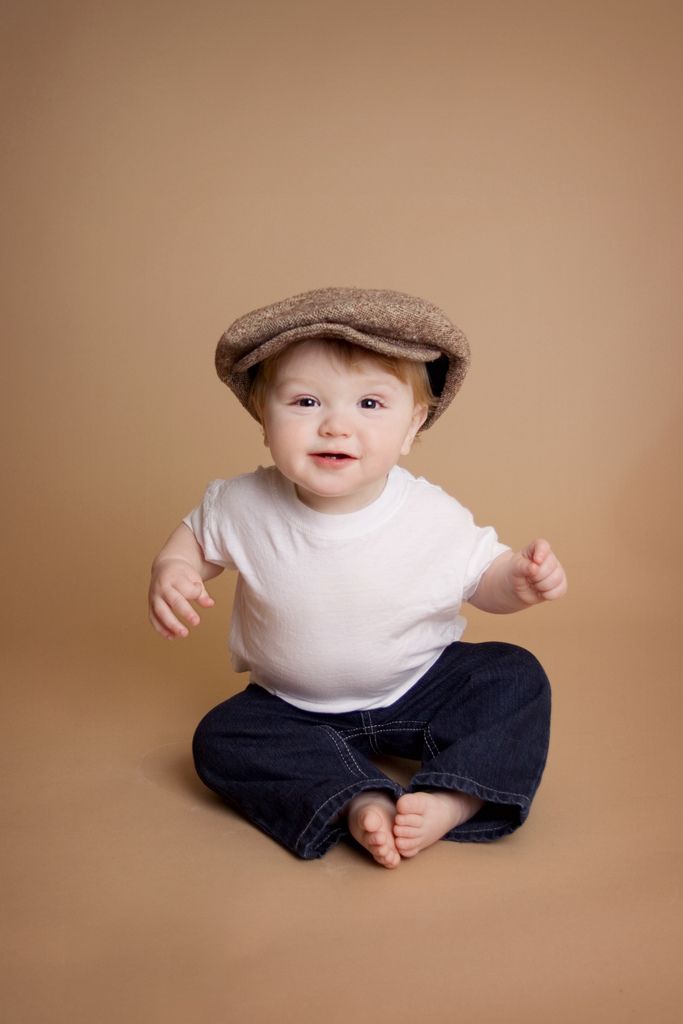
{"type": "Point", "coordinates": [387, 322]}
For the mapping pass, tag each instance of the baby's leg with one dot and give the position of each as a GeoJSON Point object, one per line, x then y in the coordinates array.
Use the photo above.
{"type": "Point", "coordinates": [487, 709]}
{"type": "Point", "coordinates": [424, 818]}
{"type": "Point", "coordinates": [288, 771]}
{"type": "Point", "coordinates": [371, 822]}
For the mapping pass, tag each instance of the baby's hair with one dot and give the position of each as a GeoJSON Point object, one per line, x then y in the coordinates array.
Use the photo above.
{"type": "Point", "coordinates": [409, 371]}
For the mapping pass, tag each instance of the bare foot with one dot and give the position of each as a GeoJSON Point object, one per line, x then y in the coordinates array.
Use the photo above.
{"type": "Point", "coordinates": [371, 819]}
{"type": "Point", "coordinates": [424, 818]}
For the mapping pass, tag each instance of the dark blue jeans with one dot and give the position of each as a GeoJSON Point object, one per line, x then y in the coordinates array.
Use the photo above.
{"type": "Point", "coordinates": [477, 721]}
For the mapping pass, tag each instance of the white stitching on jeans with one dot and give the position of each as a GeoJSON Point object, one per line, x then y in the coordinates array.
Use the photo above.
{"type": "Point", "coordinates": [429, 742]}
{"type": "Point", "coordinates": [368, 730]}
{"type": "Point", "coordinates": [337, 739]}
{"type": "Point", "coordinates": [403, 725]}
{"type": "Point", "coordinates": [498, 792]}
{"type": "Point", "coordinates": [341, 751]}
{"type": "Point", "coordinates": [475, 829]}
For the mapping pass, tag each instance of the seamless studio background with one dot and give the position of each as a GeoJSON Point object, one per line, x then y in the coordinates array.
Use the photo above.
{"type": "Point", "coordinates": [168, 167]}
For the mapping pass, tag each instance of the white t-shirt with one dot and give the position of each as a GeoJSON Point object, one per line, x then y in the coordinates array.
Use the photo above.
{"type": "Point", "coordinates": [338, 613]}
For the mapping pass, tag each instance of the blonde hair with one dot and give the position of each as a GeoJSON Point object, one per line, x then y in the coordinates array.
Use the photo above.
{"type": "Point", "coordinates": [406, 370]}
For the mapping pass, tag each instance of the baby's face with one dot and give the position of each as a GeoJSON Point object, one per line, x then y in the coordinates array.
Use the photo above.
{"type": "Point", "coordinates": [337, 431]}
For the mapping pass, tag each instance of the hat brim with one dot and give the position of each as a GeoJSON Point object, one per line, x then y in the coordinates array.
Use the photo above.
{"type": "Point", "coordinates": [388, 323]}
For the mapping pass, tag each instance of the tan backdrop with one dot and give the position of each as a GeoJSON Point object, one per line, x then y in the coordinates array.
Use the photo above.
{"type": "Point", "coordinates": [170, 166]}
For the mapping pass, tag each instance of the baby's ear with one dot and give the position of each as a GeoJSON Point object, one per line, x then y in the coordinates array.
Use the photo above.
{"type": "Point", "coordinates": [420, 414]}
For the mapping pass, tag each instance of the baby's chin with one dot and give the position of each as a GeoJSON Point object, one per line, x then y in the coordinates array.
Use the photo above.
{"type": "Point", "coordinates": [338, 501]}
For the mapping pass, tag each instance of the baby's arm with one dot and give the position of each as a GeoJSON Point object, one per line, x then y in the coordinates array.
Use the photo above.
{"type": "Point", "coordinates": [178, 575]}
{"type": "Point", "coordinates": [517, 580]}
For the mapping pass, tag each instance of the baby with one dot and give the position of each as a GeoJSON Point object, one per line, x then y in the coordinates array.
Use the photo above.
{"type": "Point", "coordinates": [351, 575]}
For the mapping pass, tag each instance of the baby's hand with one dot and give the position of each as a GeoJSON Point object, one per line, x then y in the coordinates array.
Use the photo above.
{"type": "Point", "coordinates": [537, 574]}
{"type": "Point", "coordinates": [175, 583]}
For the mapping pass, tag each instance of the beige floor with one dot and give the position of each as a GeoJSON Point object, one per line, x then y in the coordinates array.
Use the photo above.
{"type": "Point", "coordinates": [135, 896]}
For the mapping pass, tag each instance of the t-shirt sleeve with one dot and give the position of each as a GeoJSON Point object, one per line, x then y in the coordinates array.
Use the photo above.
{"type": "Point", "coordinates": [210, 524]}
{"type": "Point", "coordinates": [485, 549]}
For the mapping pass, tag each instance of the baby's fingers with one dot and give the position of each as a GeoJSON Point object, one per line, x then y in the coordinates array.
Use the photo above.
{"type": "Point", "coordinates": [540, 571]}
{"type": "Point", "coordinates": [164, 621]}
{"type": "Point", "coordinates": [168, 612]}
{"type": "Point", "coordinates": [205, 599]}
{"type": "Point", "coordinates": [538, 551]}
{"type": "Point", "coordinates": [183, 609]}
{"type": "Point", "coordinates": [553, 584]}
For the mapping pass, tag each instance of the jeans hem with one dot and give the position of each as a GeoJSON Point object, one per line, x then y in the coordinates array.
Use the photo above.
{"type": "Point", "coordinates": [473, 831]}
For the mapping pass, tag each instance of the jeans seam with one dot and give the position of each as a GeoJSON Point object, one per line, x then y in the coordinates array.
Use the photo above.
{"type": "Point", "coordinates": [429, 742]}
{"type": "Point", "coordinates": [400, 726]}
{"type": "Point", "coordinates": [326, 841]}
{"type": "Point", "coordinates": [337, 740]}
{"type": "Point", "coordinates": [369, 730]}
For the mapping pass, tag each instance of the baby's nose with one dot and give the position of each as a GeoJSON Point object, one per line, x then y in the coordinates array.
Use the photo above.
{"type": "Point", "coordinates": [335, 424]}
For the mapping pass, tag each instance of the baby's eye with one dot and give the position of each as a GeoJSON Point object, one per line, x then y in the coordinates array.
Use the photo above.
{"type": "Point", "coordinates": [306, 402]}
{"type": "Point", "coordinates": [370, 403]}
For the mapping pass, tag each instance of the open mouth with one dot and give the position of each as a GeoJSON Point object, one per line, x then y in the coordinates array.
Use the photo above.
{"type": "Point", "coordinates": [333, 456]}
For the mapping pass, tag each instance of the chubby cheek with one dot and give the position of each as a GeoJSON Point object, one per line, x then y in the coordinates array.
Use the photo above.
{"type": "Point", "coordinates": [283, 439]}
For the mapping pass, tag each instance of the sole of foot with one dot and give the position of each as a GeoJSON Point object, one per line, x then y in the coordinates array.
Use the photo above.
{"type": "Point", "coordinates": [371, 821]}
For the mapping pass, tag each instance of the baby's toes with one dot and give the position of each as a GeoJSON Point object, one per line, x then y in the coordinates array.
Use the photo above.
{"type": "Point", "coordinates": [370, 821]}
{"type": "Point", "coordinates": [391, 859]}
{"type": "Point", "coordinates": [411, 803]}
{"type": "Point", "coordinates": [384, 851]}
{"type": "Point", "coordinates": [407, 846]}
{"type": "Point", "coordinates": [378, 841]}
{"type": "Point", "coordinates": [405, 831]}
{"type": "Point", "coordinates": [408, 820]}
